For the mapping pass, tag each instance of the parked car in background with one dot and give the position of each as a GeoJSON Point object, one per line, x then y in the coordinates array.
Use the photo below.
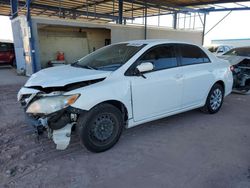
{"type": "Point", "coordinates": [124, 85]}
{"type": "Point", "coordinates": [239, 58]}
{"type": "Point", "coordinates": [219, 49]}
{"type": "Point", "coordinates": [7, 54]}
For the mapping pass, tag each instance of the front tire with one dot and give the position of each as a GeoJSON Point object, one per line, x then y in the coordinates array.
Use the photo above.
{"type": "Point", "coordinates": [214, 99]}
{"type": "Point", "coordinates": [100, 128]}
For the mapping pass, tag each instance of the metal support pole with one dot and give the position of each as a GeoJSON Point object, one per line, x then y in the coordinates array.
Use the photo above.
{"type": "Point", "coordinates": [175, 20]}
{"type": "Point", "coordinates": [178, 20]}
{"type": "Point", "coordinates": [204, 27]}
{"type": "Point", "coordinates": [132, 12]}
{"type": "Point", "coordinates": [159, 18]}
{"type": "Point", "coordinates": [120, 11]}
{"type": "Point", "coordinates": [14, 8]}
{"type": "Point", "coordinates": [145, 22]}
{"type": "Point", "coordinates": [194, 20]}
{"type": "Point", "coordinates": [31, 39]}
{"type": "Point", "coordinates": [95, 10]}
{"type": "Point", "coordinates": [218, 22]}
{"type": "Point", "coordinates": [87, 8]}
{"type": "Point", "coordinates": [113, 9]}
{"type": "Point", "coordinates": [60, 11]}
{"type": "Point", "coordinates": [184, 20]}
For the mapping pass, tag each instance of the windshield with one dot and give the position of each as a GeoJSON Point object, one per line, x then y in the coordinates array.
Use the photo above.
{"type": "Point", "coordinates": [239, 52]}
{"type": "Point", "coordinates": [109, 58]}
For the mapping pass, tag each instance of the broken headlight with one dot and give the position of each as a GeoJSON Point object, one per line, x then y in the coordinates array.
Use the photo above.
{"type": "Point", "coordinates": [50, 104]}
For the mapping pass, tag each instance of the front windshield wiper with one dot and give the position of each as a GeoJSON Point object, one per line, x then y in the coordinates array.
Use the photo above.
{"type": "Point", "coordinates": [110, 66]}
{"type": "Point", "coordinates": [88, 67]}
{"type": "Point", "coordinates": [76, 64]}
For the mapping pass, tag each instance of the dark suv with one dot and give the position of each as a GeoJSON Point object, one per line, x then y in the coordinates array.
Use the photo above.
{"type": "Point", "coordinates": [7, 54]}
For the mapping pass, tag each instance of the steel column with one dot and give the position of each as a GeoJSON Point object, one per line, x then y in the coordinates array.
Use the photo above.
{"type": "Point", "coordinates": [120, 18]}
{"type": "Point", "coordinates": [145, 18]}
{"type": "Point", "coordinates": [204, 28]}
{"type": "Point", "coordinates": [175, 20]}
{"type": "Point", "coordinates": [31, 38]}
{"type": "Point", "coordinates": [14, 8]}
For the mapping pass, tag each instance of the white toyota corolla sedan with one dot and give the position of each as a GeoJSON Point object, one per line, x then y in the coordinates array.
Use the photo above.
{"type": "Point", "coordinates": [123, 85]}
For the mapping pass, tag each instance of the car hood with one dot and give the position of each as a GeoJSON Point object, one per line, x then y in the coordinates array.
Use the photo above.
{"type": "Point", "coordinates": [233, 60]}
{"type": "Point", "coordinates": [62, 75]}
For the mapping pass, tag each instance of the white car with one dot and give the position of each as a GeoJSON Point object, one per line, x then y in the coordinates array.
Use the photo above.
{"type": "Point", "coordinates": [219, 49]}
{"type": "Point", "coordinates": [124, 85]}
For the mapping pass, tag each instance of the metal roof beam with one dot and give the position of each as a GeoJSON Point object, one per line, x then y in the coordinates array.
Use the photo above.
{"type": "Point", "coordinates": [225, 9]}
{"type": "Point", "coordinates": [91, 4]}
{"type": "Point", "coordinates": [14, 8]}
{"type": "Point", "coordinates": [165, 6]}
{"type": "Point", "coordinates": [214, 2]}
{"type": "Point", "coordinates": [56, 9]}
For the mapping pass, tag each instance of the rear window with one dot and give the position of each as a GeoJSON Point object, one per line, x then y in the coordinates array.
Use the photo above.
{"type": "Point", "coordinates": [191, 55]}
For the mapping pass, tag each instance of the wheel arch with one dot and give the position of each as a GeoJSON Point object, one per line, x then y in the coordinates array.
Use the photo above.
{"type": "Point", "coordinates": [220, 82]}
{"type": "Point", "coordinates": [118, 104]}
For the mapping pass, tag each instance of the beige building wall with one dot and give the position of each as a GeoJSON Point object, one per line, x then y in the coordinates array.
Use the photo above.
{"type": "Point", "coordinates": [123, 33]}
{"type": "Point", "coordinates": [74, 42]}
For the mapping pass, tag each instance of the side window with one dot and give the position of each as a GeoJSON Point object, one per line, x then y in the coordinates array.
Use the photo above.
{"type": "Point", "coordinates": [192, 55]}
{"type": "Point", "coordinates": [162, 57]}
{"type": "Point", "coordinates": [3, 47]}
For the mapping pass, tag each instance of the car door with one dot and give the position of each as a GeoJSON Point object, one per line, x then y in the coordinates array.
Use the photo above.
{"type": "Point", "coordinates": [197, 74]}
{"type": "Point", "coordinates": [159, 91]}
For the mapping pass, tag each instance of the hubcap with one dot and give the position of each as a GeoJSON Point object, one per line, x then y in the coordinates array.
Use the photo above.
{"type": "Point", "coordinates": [216, 99]}
{"type": "Point", "coordinates": [103, 127]}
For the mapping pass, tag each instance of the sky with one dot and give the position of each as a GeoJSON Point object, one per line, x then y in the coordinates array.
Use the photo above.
{"type": "Point", "coordinates": [235, 26]}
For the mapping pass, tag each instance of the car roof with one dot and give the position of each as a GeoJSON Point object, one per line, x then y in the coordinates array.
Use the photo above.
{"type": "Point", "coordinates": [156, 41]}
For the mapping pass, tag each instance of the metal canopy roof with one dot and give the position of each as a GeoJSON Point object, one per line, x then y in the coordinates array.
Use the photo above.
{"type": "Point", "coordinates": [108, 10]}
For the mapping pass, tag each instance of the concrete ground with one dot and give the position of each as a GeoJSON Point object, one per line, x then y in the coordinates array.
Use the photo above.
{"type": "Point", "coordinates": [190, 150]}
{"type": "Point", "coordinates": [8, 76]}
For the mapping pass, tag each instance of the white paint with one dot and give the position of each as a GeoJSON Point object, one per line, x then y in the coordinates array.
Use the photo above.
{"type": "Point", "coordinates": [144, 67]}
{"type": "Point", "coordinates": [63, 75]}
{"type": "Point", "coordinates": [61, 137]}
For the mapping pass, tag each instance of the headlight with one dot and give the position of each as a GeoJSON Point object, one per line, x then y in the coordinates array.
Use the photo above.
{"type": "Point", "coordinates": [48, 105]}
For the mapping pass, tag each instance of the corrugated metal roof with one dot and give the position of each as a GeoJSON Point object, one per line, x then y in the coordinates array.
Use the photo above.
{"type": "Point", "coordinates": [107, 10]}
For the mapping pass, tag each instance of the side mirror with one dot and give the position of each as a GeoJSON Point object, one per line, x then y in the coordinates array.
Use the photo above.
{"type": "Point", "coordinates": [145, 67]}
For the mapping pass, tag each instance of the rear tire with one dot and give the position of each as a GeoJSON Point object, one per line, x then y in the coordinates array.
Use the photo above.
{"type": "Point", "coordinates": [100, 128]}
{"type": "Point", "coordinates": [214, 99]}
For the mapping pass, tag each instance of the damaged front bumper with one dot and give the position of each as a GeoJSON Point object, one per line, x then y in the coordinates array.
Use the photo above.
{"type": "Point", "coordinates": [58, 124]}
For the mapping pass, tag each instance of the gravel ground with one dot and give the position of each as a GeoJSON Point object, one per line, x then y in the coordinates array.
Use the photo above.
{"type": "Point", "coordinates": [190, 150]}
